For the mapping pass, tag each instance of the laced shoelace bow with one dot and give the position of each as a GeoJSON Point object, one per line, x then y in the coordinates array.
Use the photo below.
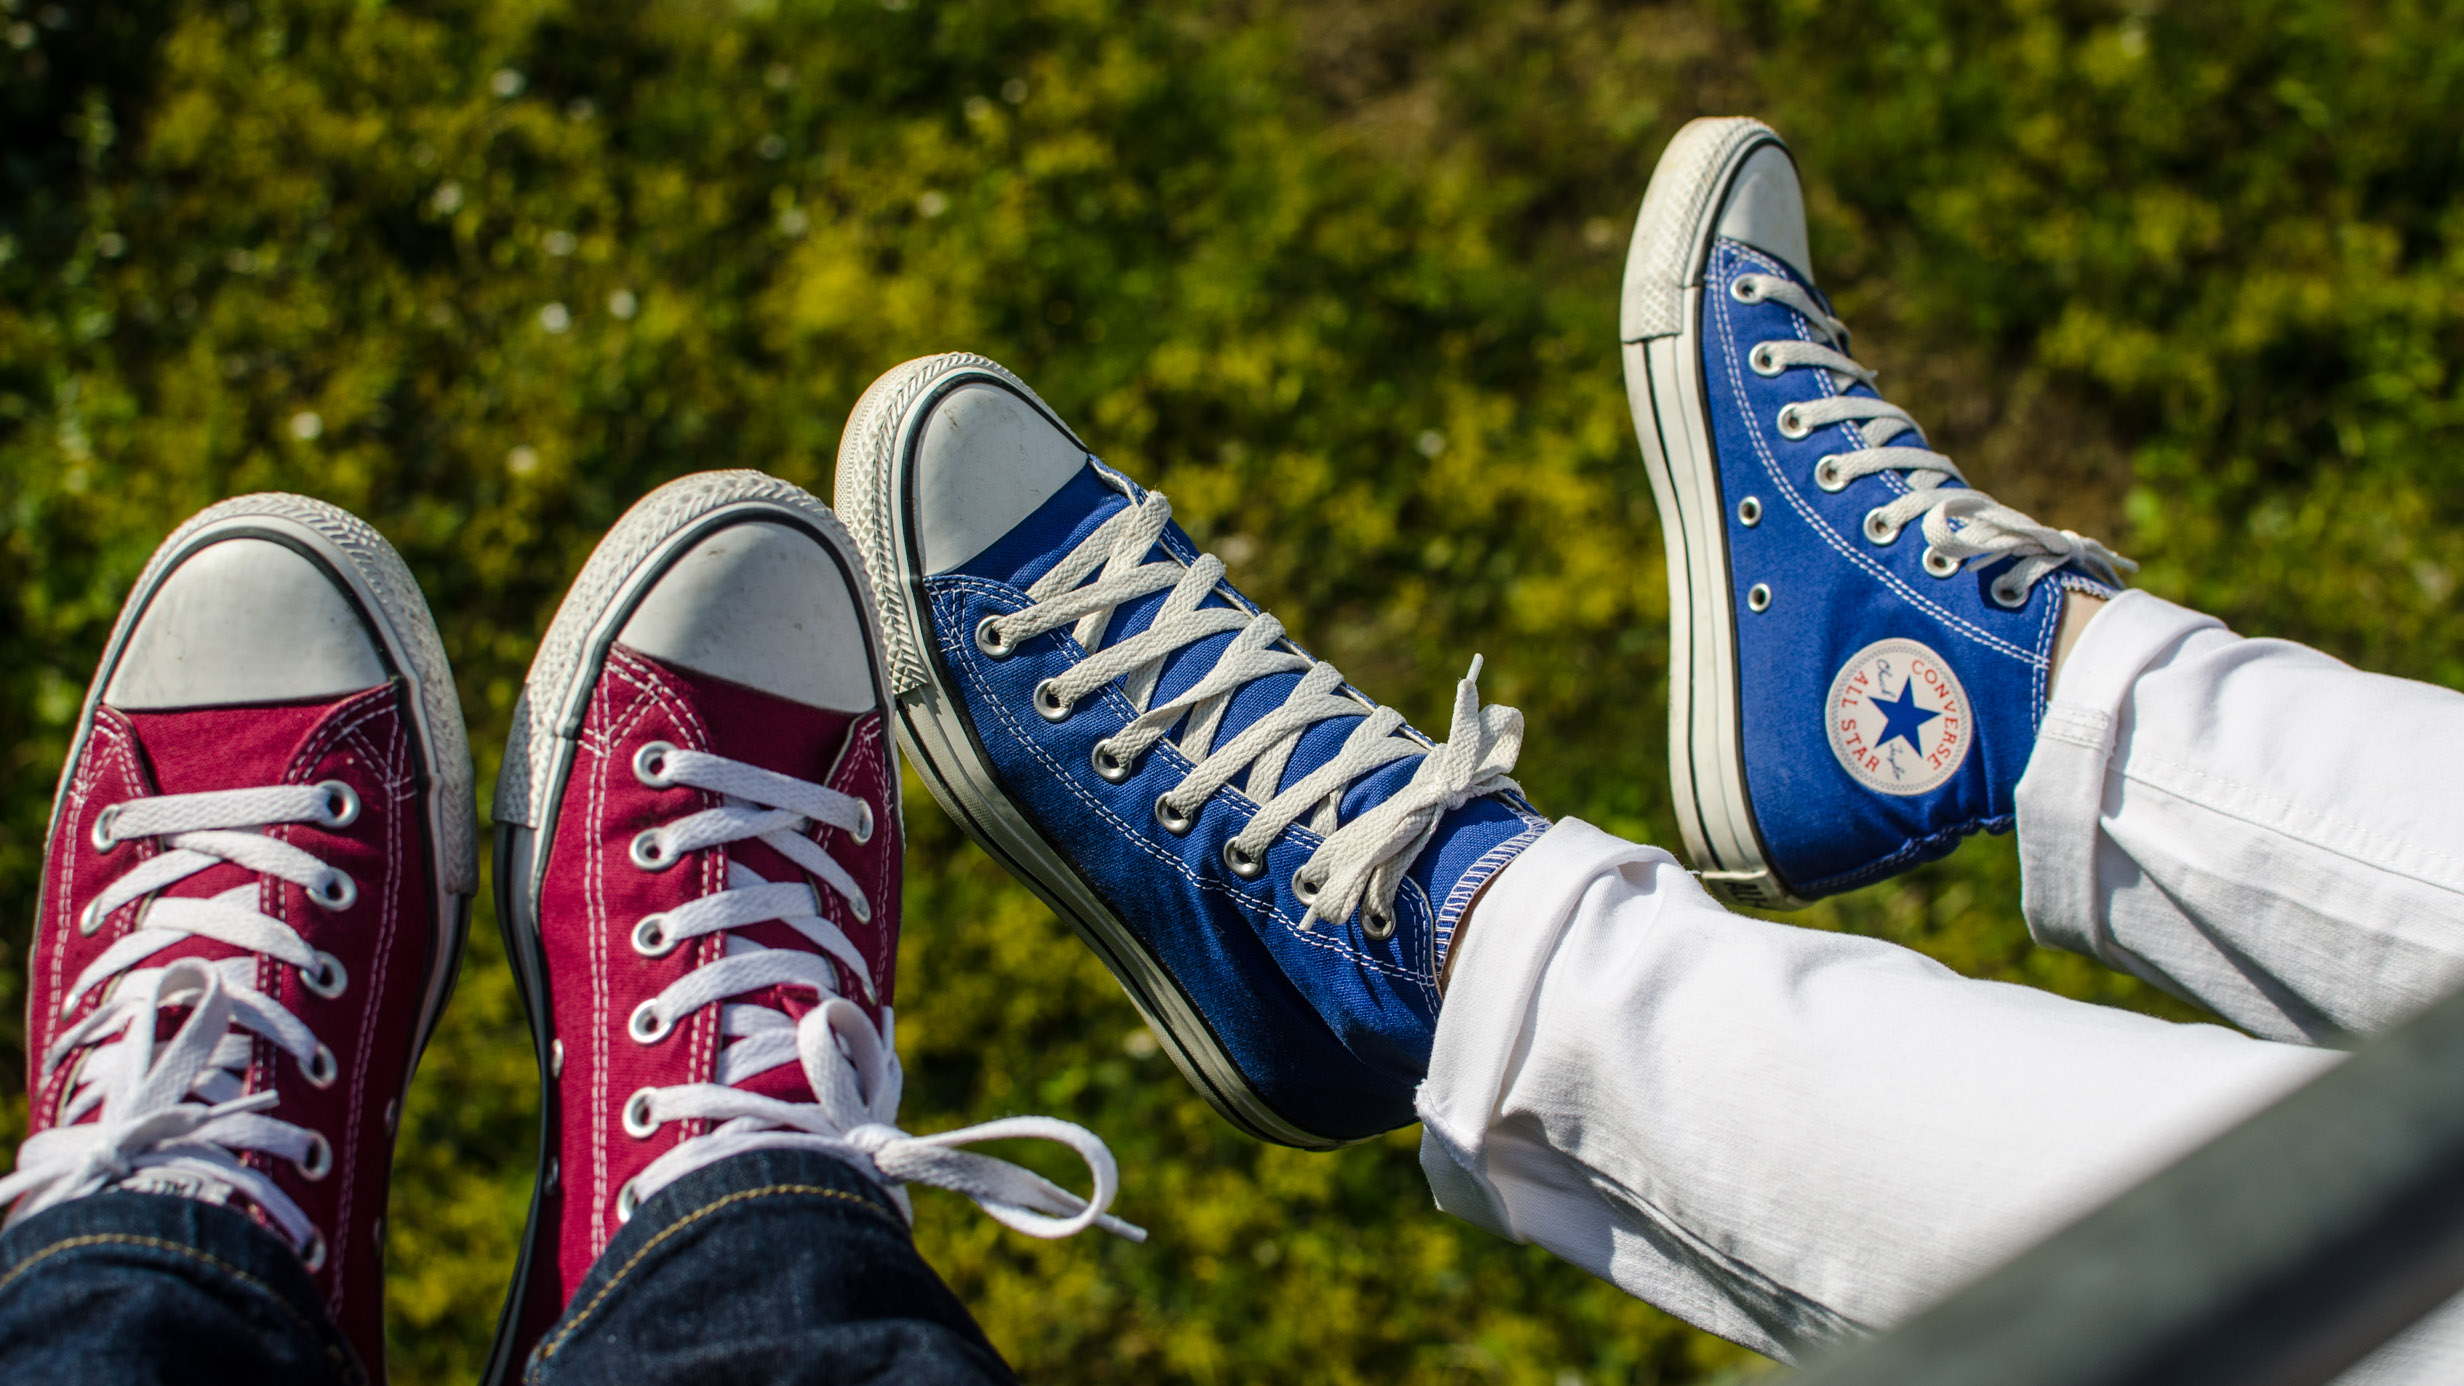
{"type": "Point", "coordinates": [852, 1067]}
{"type": "Point", "coordinates": [180, 1111]}
{"type": "Point", "coordinates": [1360, 864]}
{"type": "Point", "coordinates": [1962, 525]}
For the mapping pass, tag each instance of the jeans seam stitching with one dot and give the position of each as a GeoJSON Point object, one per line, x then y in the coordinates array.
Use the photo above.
{"type": "Point", "coordinates": [566, 1333]}
{"type": "Point", "coordinates": [177, 1249]}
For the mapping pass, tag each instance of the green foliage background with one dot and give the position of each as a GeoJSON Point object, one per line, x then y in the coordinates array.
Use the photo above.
{"type": "Point", "coordinates": [1339, 276]}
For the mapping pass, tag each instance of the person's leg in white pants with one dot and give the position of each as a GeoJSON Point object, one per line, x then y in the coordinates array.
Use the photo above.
{"type": "Point", "coordinates": [1785, 1136]}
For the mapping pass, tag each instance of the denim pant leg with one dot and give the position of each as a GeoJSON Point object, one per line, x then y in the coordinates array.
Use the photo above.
{"type": "Point", "coordinates": [145, 1289]}
{"type": "Point", "coordinates": [777, 1266]}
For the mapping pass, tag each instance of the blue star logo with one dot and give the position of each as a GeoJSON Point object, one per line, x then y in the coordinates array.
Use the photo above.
{"type": "Point", "coordinates": [1902, 718]}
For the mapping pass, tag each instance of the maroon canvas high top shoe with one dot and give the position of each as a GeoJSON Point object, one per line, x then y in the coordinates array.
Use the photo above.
{"type": "Point", "coordinates": [698, 840]}
{"type": "Point", "coordinates": [258, 876]}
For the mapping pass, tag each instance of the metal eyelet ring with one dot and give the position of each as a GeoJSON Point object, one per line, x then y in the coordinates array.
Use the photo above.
{"type": "Point", "coordinates": [2007, 595]}
{"type": "Point", "coordinates": [340, 892]}
{"type": "Point", "coordinates": [341, 804]}
{"type": "Point", "coordinates": [102, 838]}
{"type": "Point", "coordinates": [1758, 597]}
{"type": "Point", "coordinates": [89, 919]}
{"type": "Point", "coordinates": [320, 1161]}
{"type": "Point", "coordinates": [1049, 704]}
{"type": "Point", "coordinates": [650, 851]}
{"type": "Point", "coordinates": [1765, 360]}
{"type": "Point", "coordinates": [646, 1025]}
{"type": "Point", "coordinates": [1112, 766]}
{"type": "Point", "coordinates": [328, 979]}
{"type": "Point", "coordinates": [1938, 563]}
{"type": "Point", "coordinates": [650, 765]}
{"type": "Point", "coordinates": [1377, 924]}
{"type": "Point", "coordinates": [638, 1122]}
{"type": "Point", "coordinates": [626, 1202]}
{"type": "Point", "coordinates": [1792, 424]}
{"type": "Point", "coordinates": [864, 823]}
{"type": "Point", "coordinates": [1749, 512]}
{"type": "Point", "coordinates": [1305, 888]}
{"type": "Point", "coordinates": [1827, 473]}
{"type": "Point", "coordinates": [1243, 865]}
{"type": "Point", "coordinates": [313, 1254]}
{"type": "Point", "coordinates": [322, 1068]}
{"type": "Point", "coordinates": [555, 1167]}
{"type": "Point", "coordinates": [1878, 528]}
{"type": "Point", "coordinates": [651, 938]}
{"type": "Point", "coordinates": [862, 907]}
{"type": "Point", "coordinates": [556, 1058]}
{"type": "Point", "coordinates": [989, 639]}
{"type": "Point", "coordinates": [1174, 820]}
{"type": "Point", "coordinates": [1745, 288]}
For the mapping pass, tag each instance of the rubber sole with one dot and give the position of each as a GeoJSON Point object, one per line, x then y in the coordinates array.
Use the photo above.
{"type": "Point", "coordinates": [871, 492]}
{"type": "Point", "coordinates": [1665, 391]}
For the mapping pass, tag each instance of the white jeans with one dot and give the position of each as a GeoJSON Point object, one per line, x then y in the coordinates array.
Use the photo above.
{"type": "Point", "coordinates": [1785, 1136]}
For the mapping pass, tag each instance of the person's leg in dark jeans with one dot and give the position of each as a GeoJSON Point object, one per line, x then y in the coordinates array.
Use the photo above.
{"type": "Point", "coordinates": [699, 823]}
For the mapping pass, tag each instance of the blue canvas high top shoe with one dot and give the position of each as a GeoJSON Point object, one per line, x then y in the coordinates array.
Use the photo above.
{"type": "Point", "coordinates": [1269, 861]}
{"type": "Point", "coordinates": [1860, 643]}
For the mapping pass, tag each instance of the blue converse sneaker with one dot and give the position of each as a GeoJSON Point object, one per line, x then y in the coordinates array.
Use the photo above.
{"type": "Point", "coordinates": [1271, 863]}
{"type": "Point", "coordinates": [1860, 643]}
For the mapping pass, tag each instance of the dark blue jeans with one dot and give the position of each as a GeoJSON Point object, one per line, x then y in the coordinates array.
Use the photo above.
{"type": "Point", "coordinates": [778, 1266]}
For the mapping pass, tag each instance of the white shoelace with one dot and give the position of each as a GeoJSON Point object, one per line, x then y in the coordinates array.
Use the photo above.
{"type": "Point", "coordinates": [852, 1067]}
{"type": "Point", "coordinates": [1962, 525]}
{"type": "Point", "coordinates": [179, 1114]}
{"type": "Point", "coordinates": [1361, 863]}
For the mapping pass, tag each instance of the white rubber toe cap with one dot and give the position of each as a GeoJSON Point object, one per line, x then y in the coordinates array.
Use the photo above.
{"type": "Point", "coordinates": [244, 621]}
{"type": "Point", "coordinates": [986, 461]}
{"type": "Point", "coordinates": [1766, 209]}
{"type": "Point", "coordinates": [763, 605]}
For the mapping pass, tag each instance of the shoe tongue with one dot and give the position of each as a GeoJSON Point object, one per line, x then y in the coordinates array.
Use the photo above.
{"type": "Point", "coordinates": [1037, 544]}
{"type": "Point", "coordinates": [202, 750]}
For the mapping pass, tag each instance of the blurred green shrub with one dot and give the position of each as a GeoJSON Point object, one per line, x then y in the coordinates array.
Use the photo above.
{"type": "Point", "coordinates": [1337, 276]}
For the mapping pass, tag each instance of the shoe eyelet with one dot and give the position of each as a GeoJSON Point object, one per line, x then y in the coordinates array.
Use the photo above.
{"type": "Point", "coordinates": [2007, 597]}
{"type": "Point", "coordinates": [651, 938]}
{"type": "Point", "coordinates": [863, 832]}
{"type": "Point", "coordinates": [1749, 512]}
{"type": "Point", "coordinates": [991, 641]}
{"type": "Point", "coordinates": [340, 892]}
{"type": "Point", "coordinates": [1377, 924]}
{"type": "Point", "coordinates": [860, 907]}
{"type": "Point", "coordinates": [555, 1167]}
{"type": "Point", "coordinates": [1791, 423]}
{"type": "Point", "coordinates": [1828, 475]}
{"type": "Point", "coordinates": [1758, 597]}
{"type": "Point", "coordinates": [638, 1121]}
{"type": "Point", "coordinates": [320, 1161]}
{"type": "Point", "coordinates": [1879, 530]}
{"type": "Point", "coordinates": [328, 979]}
{"type": "Point", "coordinates": [556, 1058]}
{"type": "Point", "coordinates": [89, 919]}
{"type": "Point", "coordinates": [341, 804]}
{"type": "Point", "coordinates": [1746, 288]}
{"type": "Point", "coordinates": [1938, 563]}
{"type": "Point", "coordinates": [101, 837]}
{"type": "Point", "coordinates": [650, 851]}
{"type": "Point", "coordinates": [1243, 865]}
{"type": "Point", "coordinates": [1174, 820]}
{"type": "Point", "coordinates": [626, 1202]}
{"type": "Point", "coordinates": [1764, 359]}
{"type": "Point", "coordinates": [313, 1254]}
{"type": "Point", "coordinates": [1109, 764]}
{"type": "Point", "coordinates": [1306, 888]}
{"type": "Point", "coordinates": [322, 1068]}
{"type": "Point", "coordinates": [646, 1025]}
{"type": "Point", "coordinates": [1049, 704]}
{"type": "Point", "coordinates": [650, 765]}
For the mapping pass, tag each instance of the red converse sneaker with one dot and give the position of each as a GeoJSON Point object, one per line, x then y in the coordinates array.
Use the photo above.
{"type": "Point", "coordinates": [699, 837]}
{"type": "Point", "coordinates": [258, 876]}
